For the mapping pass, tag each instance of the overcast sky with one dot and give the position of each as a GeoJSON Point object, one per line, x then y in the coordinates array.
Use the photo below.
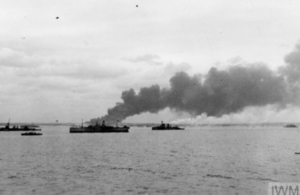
{"type": "Point", "coordinates": [71, 60]}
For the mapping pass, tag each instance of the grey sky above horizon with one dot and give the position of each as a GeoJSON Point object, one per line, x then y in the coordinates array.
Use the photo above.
{"type": "Point", "coordinates": [71, 60]}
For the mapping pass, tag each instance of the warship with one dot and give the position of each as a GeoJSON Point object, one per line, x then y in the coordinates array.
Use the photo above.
{"type": "Point", "coordinates": [32, 133]}
{"type": "Point", "coordinates": [166, 127]}
{"type": "Point", "coordinates": [290, 126]}
{"type": "Point", "coordinates": [99, 129]}
{"type": "Point", "coordinates": [19, 128]}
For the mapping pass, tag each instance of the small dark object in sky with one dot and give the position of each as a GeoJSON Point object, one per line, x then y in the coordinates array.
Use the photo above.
{"type": "Point", "coordinates": [57, 17]}
{"type": "Point", "coordinates": [137, 6]}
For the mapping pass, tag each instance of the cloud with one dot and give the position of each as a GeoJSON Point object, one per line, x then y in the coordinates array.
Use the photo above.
{"type": "Point", "coordinates": [37, 76]}
{"type": "Point", "coordinates": [20, 64]}
{"type": "Point", "coordinates": [147, 58]}
{"type": "Point", "coordinates": [39, 84]}
{"type": "Point", "coordinates": [236, 60]}
{"type": "Point", "coordinates": [172, 68]}
{"type": "Point", "coordinates": [87, 69]}
{"type": "Point", "coordinates": [251, 115]}
{"type": "Point", "coordinates": [18, 59]}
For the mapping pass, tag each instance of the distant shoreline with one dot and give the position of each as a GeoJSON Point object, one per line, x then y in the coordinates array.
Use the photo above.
{"type": "Point", "coordinates": [155, 124]}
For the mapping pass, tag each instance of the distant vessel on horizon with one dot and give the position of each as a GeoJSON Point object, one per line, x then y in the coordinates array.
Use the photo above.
{"type": "Point", "coordinates": [164, 126]}
{"type": "Point", "coordinates": [99, 129]}
{"type": "Point", "coordinates": [19, 128]}
{"type": "Point", "coordinates": [290, 126]}
{"type": "Point", "coordinates": [31, 133]}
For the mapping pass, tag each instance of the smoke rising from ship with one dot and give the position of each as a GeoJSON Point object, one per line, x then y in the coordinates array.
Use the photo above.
{"type": "Point", "coordinates": [218, 92]}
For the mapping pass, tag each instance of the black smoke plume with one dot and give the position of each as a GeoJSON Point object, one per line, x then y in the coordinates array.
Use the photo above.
{"type": "Point", "coordinates": [216, 93]}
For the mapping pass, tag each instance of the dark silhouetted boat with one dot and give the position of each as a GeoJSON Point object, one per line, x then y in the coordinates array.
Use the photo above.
{"type": "Point", "coordinates": [99, 129]}
{"type": "Point", "coordinates": [32, 133]}
{"type": "Point", "coordinates": [290, 126]}
{"type": "Point", "coordinates": [19, 128]}
{"type": "Point", "coordinates": [166, 127]}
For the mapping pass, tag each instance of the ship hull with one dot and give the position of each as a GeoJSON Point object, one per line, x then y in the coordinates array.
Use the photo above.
{"type": "Point", "coordinates": [166, 129]}
{"type": "Point", "coordinates": [25, 134]}
{"type": "Point", "coordinates": [85, 130]}
{"type": "Point", "coordinates": [290, 126]}
{"type": "Point", "coordinates": [11, 129]}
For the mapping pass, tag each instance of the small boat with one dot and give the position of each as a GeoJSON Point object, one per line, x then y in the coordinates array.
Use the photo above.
{"type": "Point", "coordinates": [99, 129]}
{"type": "Point", "coordinates": [166, 127]}
{"type": "Point", "coordinates": [290, 126]}
{"type": "Point", "coordinates": [19, 128]}
{"type": "Point", "coordinates": [32, 133]}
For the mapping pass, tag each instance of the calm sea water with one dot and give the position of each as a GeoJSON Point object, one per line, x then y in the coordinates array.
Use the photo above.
{"type": "Point", "coordinates": [203, 160]}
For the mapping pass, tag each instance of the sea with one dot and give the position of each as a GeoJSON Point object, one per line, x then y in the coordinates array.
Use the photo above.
{"type": "Point", "coordinates": [239, 159]}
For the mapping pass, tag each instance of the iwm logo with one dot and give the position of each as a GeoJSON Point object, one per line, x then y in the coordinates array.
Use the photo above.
{"type": "Point", "coordinates": [283, 189]}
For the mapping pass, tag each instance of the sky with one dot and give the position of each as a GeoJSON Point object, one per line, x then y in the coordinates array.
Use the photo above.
{"type": "Point", "coordinates": [70, 60]}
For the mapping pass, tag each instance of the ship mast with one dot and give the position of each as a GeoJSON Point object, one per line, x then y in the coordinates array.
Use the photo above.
{"type": "Point", "coordinates": [7, 125]}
